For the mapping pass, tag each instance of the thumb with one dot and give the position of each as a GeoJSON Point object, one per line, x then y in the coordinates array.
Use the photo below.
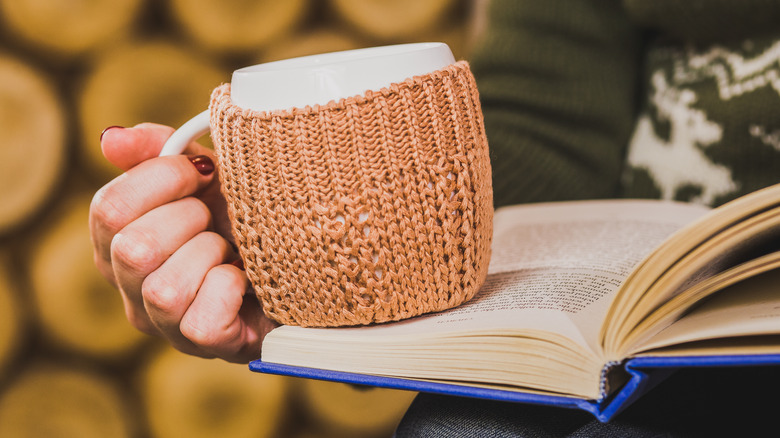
{"type": "Point", "coordinates": [127, 147]}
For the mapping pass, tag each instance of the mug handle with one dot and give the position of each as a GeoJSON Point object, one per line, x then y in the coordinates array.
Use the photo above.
{"type": "Point", "coordinates": [194, 128]}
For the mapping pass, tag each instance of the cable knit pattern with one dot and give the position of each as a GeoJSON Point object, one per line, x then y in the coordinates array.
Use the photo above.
{"type": "Point", "coordinates": [368, 209]}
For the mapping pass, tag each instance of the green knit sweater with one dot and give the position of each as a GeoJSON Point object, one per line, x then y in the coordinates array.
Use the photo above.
{"type": "Point", "coordinates": [677, 99]}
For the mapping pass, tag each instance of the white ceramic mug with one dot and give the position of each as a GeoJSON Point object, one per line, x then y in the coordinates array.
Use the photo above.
{"type": "Point", "coordinates": [319, 79]}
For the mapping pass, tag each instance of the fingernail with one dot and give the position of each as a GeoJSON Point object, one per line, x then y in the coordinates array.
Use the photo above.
{"type": "Point", "coordinates": [203, 164]}
{"type": "Point", "coordinates": [238, 264]}
{"type": "Point", "coordinates": [107, 129]}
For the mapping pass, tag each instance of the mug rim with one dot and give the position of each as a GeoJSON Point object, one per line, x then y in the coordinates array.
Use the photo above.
{"type": "Point", "coordinates": [318, 79]}
{"type": "Point", "coordinates": [340, 57]}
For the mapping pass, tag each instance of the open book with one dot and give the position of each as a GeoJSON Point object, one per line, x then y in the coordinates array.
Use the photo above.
{"type": "Point", "coordinates": [582, 302]}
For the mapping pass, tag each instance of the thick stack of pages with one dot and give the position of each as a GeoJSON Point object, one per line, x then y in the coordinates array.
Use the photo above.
{"type": "Point", "coordinates": [587, 304]}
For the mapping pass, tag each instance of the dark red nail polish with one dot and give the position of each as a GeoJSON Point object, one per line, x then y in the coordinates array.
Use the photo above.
{"type": "Point", "coordinates": [203, 164]}
{"type": "Point", "coordinates": [238, 263]}
{"type": "Point", "coordinates": [107, 129]}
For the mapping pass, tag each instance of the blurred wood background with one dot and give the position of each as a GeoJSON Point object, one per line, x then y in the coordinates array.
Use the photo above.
{"type": "Point", "coordinates": [70, 364]}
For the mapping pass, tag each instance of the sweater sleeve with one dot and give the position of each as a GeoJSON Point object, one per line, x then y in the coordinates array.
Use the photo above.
{"type": "Point", "coordinates": [557, 81]}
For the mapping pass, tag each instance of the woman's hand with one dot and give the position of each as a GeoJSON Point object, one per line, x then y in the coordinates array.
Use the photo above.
{"type": "Point", "coordinates": [161, 235]}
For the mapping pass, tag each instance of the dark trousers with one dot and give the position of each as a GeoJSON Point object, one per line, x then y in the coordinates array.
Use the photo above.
{"type": "Point", "coordinates": [706, 402]}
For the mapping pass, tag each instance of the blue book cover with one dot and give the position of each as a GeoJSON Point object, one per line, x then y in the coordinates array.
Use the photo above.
{"type": "Point", "coordinates": [642, 373]}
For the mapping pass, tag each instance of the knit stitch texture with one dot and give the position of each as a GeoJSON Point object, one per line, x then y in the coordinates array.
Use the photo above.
{"type": "Point", "coordinates": [368, 209]}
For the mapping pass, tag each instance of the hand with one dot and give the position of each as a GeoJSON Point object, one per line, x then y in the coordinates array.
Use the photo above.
{"type": "Point", "coordinates": [160, 234]}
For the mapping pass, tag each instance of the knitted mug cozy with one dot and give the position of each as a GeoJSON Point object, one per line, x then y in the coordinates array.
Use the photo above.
{"type": "Point", "coordinates": [369, 209]}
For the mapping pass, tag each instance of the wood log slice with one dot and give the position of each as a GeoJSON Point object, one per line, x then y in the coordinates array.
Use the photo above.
{"type": "Point", "coordinates": [312, 43]}
{"type": "Point", "coordinates": [238, 25]}
{"type": "Point", "coordinates": [150, 82]}
{"type": "Point", "coordinates": [33, 141]}
{"type": "Point", "coordinates": [13, 318]}
{"type": "Point", "coordinates": [389, 20]}
{"type": "Point", "coordinates": [355, 411]}
{"type": "Point", "coordinates": [78, 309]}
{"type": "Point", "coordinates": [70, 27]}
{"type": "Point", "coordinates": [186, 396]}
{"type": "Point", "coordinates": [49, 401]}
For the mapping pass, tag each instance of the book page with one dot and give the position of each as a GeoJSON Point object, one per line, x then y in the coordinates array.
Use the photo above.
{"type": "Point", "coordinates": [736, 245]}
{"type": "Point", "coordinates": [702, 248]}
{"type": "Point", "coordinates": [583, 249]}
{"type": "Point", "coordinates": [739, 346]}
{"type": "Point", "coordinates": [673, 309]}
{"type": "Point", "coordinates": [747, 308]}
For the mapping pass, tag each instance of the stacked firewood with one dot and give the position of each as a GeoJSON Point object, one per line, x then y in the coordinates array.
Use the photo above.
{"type": "Point", "coordinates": [70, 363]}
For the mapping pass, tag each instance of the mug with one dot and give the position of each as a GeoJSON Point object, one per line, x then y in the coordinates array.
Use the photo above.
{"type": "Point", "coordinates": [358, 183]}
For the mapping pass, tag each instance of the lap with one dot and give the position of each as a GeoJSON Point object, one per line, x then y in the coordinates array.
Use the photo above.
{"type": "Point", "coordinates": [702, 402]}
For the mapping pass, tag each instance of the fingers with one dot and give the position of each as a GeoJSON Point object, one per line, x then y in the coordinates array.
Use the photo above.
{"type": "Point", "coordinates": [169, 291]}
{"type": "Point", "coordinates": [127, 147]}
{"type": "Point", "coordinates": [136, 192]}
{"type": "Point", "coordinates": [146, 243]}
{"type": "Point", "coordinates": [225, 319]}
{"type": "Point", "coordinates": [152, 234]}
{"type": "Point", "coordinates": [203, 306]}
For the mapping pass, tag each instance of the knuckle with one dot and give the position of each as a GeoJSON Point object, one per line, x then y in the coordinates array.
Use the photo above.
{"type": "Point", "coordinates": [199, 332]}
{"type": "Point", "coordinates": [159, 293]}
{"type": "Point", "coordinates": [205, 330]}
{"type": "Point", "coordinates": [225, 276]}
{"type": "Point", "coordinates": [136, 251]}
{"type": "Point", "coordinates": [106, 210]}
